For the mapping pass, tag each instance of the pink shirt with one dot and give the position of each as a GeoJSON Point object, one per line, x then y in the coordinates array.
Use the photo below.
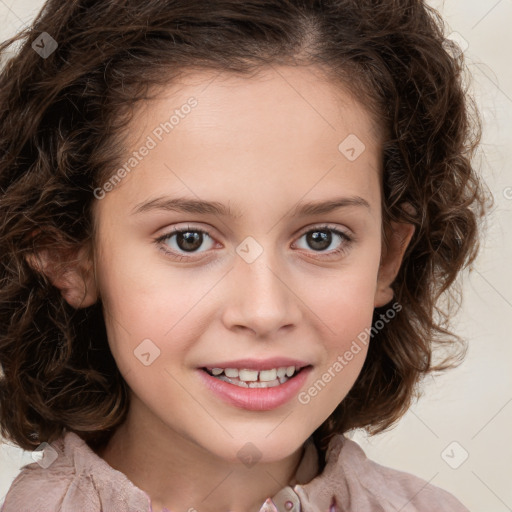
{"type": "Point", "coordinates": [79, 480]}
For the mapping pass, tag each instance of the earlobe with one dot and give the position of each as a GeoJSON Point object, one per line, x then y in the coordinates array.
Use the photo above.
{"type": "Point", "coordinates": [74, 278]}
{"type": "Point", "coordinates": [391, 260]}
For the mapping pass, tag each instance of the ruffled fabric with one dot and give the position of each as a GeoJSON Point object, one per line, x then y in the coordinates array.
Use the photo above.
{"type": "Point", "coordinates": [80, 480]}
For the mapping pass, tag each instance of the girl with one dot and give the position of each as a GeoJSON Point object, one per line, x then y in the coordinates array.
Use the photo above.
{"type": "Point", "coordinates": [226, 229]}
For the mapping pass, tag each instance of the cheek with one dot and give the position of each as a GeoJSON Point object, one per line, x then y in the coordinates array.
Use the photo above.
{"type": "Point", "coordinates": [348, 315]}
{"type": "Point", "coordinates": [346, 311]}
{"type": "Point", "coordinates": [344, 300]}
{"type": "Point", "coordinates": [344, 306]}
{"type": "Point", "coordinates": [151, 303]}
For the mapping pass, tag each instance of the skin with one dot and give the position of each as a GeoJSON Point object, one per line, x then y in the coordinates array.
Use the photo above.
{"type": "Point", "coordinates": [260, 145]}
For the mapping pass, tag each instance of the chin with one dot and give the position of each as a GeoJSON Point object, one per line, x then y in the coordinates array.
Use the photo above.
{"type": "Point", "coordinates": [263, 449]}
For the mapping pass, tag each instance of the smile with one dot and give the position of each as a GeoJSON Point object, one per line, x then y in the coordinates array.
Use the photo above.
{"type": "Point", "coordinates": [257, 394]}
{"type": "Point", "coordinates": [253, 378]}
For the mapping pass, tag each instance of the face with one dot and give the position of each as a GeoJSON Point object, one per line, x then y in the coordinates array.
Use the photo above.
{"type": "Point", "coordinates": [262, 279]}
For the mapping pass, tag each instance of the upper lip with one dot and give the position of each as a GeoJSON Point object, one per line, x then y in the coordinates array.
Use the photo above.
{"type": "Point", "coordinates": [258, 364]}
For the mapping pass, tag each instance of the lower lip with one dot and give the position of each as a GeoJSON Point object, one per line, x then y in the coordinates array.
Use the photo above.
{"type": "Point", "coordinates": [256, 399]}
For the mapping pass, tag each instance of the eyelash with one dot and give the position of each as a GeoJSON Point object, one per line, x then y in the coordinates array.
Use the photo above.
{"type": "Point", "coordinates": [159, 240]}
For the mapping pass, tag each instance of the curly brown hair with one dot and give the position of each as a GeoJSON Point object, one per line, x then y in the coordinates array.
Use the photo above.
{"type": "Point", "coordinates": [61, 119]}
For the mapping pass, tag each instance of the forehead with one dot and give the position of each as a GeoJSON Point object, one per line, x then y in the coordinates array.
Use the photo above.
{"type": "Point", "coordinates": [275, 132]}
{"type": "Point", "coordinates": [274, 100]}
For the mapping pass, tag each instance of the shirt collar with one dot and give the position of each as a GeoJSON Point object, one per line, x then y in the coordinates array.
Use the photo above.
{"type": "Point", "coordinates": [309, 490]}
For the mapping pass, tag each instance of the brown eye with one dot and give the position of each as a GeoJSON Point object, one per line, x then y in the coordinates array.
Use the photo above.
{"type": "Point", "coordinates": [321, 238]}
{"type": "Point", "coordinates": [189, 240]}
{"type": "Point", "coordinates": [180, 241]}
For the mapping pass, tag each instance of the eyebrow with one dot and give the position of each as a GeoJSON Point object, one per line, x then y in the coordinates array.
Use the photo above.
{"type": "Point", "coordinates": [190, 205]}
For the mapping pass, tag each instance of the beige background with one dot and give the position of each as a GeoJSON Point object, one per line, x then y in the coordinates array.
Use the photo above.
{"type": "Point", "coordinates": [467, 412]}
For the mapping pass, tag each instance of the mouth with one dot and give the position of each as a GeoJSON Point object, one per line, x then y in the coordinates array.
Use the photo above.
{"type": "Point", "coordinates": [248, 378]}
{"type": "Point", "coordinates": [263, 386]}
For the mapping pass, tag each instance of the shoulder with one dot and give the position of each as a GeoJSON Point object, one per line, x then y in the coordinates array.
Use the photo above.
{"type": "Point", "coordinates": [40, 485]}
{"type": "Point", "coordinates": [370, 484]}
{"type": "Point", "coordinates": [72, 477]}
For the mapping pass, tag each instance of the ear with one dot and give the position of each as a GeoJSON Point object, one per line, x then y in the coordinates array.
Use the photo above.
{"type": "Point", "coordinates": [72, 274]}
{"type": "Point", "coordinates": [391, 258]}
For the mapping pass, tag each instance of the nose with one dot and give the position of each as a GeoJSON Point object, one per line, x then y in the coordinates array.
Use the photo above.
{"type": "Point", "coordinates": [261, 297]}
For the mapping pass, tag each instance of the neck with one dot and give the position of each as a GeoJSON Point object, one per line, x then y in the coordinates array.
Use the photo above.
{"type": "Point", "coordinates": [180, 475]}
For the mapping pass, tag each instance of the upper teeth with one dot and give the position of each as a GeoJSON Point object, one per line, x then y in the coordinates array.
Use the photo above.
{"type": "Point", "coordinates": [254, 375]}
